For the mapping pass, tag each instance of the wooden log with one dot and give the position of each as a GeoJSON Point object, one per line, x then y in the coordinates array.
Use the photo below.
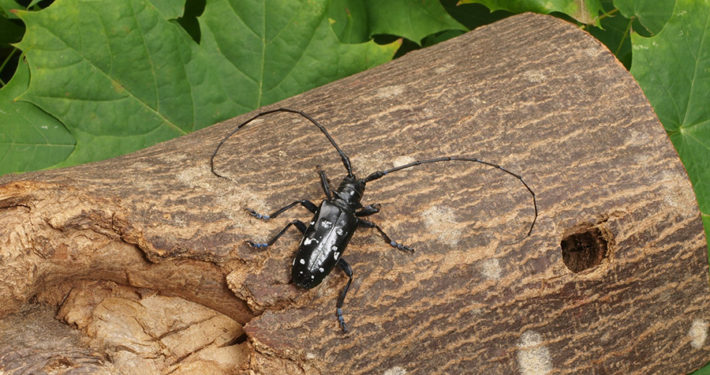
{"type": "Point", "coordinates": [613, 279]}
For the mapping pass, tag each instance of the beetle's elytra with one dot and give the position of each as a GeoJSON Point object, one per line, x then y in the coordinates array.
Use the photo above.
{"type": "Point", "coordinates": [337, 218]}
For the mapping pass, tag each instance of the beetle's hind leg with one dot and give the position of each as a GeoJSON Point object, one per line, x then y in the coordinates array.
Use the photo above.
{"type": "Point", "coordinates": [341, 298]}
{"type": "Point", "coordinates": [396, 245]}
{"type": "Point", "coordinates": [260, 245]}
{"type": "Point", "coordinates": [303, 202]}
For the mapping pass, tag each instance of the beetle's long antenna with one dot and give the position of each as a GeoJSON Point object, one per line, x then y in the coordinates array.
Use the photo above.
{"type": "Point", "coordinates": [343, 156]}
{"type": "Point", "coordinates": [378, 174]}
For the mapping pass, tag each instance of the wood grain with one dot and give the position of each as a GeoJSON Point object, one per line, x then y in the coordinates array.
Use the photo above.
{"type": "Point", "coordinates": [532, 93]}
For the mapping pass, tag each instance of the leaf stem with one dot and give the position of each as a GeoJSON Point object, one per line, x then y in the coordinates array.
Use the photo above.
{"type": "Point", "coordinates": [627, 32]}
{"type": "Point", "coordinates": [608, 14]}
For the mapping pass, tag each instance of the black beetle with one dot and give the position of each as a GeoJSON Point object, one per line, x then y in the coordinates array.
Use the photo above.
{"type": "Point", "coordinates": [338, 216]}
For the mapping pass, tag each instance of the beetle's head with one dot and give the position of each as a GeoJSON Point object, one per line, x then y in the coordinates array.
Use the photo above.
{"type": "Point", "coordinates": [351, 190]}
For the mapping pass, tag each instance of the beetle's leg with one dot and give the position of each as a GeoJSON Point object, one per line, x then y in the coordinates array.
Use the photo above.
{"type": "Point", "coordinates": [368, 210]}
{"type": "Point", "coordinates": [324, 183]}
{"type": "Point", "coordinates": [369, 224]}
{"type": "Point", "coordinates": [341, 298]}
{"type": "Point", "coordinates": [303, 202]}
{"type": "Point", "coordinates": [299, 225]}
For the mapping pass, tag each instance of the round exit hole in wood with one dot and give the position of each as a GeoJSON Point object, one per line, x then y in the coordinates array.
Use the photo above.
{"type": "Point", "coordinates": [583, 247]}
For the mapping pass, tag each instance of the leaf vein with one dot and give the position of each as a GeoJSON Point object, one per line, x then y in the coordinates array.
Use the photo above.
{"type": "Point", "coordinates": [110, 78]}
{"type": "Point", "coordinates": [696, 67]}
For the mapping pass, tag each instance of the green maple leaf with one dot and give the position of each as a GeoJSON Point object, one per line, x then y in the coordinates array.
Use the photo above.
{"type": "Point", "coordinates": [651, 14]}
{"type": "Point", "coordinates": [584, 11]}
{"type": "Point", "coordinates": [122, 75]}
{"type": "Point", "coordinates": [31, 139]}
{"type": "Point", "coordinates": [358, 20]}
{"type": "Point", "coordinates": [673, 68]}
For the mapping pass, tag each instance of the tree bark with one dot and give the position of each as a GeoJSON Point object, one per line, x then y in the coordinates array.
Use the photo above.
{"type": "Point", "coordinates": [613, 278]}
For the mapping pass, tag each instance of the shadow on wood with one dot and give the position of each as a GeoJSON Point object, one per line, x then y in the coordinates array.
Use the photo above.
{"type": "Point", "coordinates": [145, 256]}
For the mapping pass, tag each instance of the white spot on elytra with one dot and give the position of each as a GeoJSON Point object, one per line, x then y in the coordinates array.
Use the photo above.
{"type": "Point", "coordinates": [698, 333]}
{"type": "Point", "coordinates": [302, 261]}
{"type": "Point", "coordinates": [441, 222]}
{"type": "Point", "coordinates": [396, 370]}
{"type": "Point", "coordinates": [313, 222]}
{"type": "Point", "coordinates": [389, 91]}
{"type": "Point", "coordinates": [313, 277]}
{"type": "Point", "coordinates": [308, 241]}
{"type": "Point", "coordinates": [491, 269]}
{"type": "Point", "coordinates": [533, 357]}
{"type": "Point", "coordinates": [326, 224]}
{"type": "Point", "coordinates": [321, 269]}
{"type": "Point", "coordinates": [339, 231]}
{"type": "Point", "coordinates": [334, 248]}
{"type": "Point", "coordinates": [336, 255]}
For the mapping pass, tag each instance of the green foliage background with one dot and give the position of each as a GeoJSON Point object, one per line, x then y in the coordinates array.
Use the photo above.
{"type": "Point", "coordinates": [85, 80]}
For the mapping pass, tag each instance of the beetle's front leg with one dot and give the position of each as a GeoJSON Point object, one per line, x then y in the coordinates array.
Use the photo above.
{"type": "Point", "coordinates": [369, 224]}
{"type": "Point", "coordinates": [260, 245]}
{"type": "Point", "coordinates": [303, 202]}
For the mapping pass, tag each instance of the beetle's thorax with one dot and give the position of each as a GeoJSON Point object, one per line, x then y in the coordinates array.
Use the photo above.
{"type": "Point", "coordinates": [350, 192]}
